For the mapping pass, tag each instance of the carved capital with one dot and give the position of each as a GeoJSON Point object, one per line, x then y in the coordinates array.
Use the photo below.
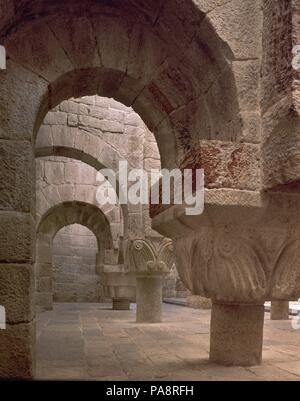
{"type": "Point", "coordinates": [221, 266]}
{"type": "Point", "coordinates": [148, 258]}
{"type": "Point", "coordinates": [245, 254]}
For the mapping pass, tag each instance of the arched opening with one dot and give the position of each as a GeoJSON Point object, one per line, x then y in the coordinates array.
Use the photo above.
{"type": "Point", "coordinates": [181, 84]}
{"type": "Point", "coordinates": [101, 133]}
{"type": "Point", "coordinates": [75, 277]}
{"type": "Point", "coordinates": [58, 217]}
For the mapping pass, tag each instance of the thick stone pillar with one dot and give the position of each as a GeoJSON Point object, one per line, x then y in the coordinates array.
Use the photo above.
{"type": "Point", "coordinates": [236, 335]}
{"type": "Point", "coordinates": [151, 260]}
{"type": "Point", "coordinates": [240, 252]}
{"type": "Point", "coordinates": [17, 233]}
{"type": "Point", "coordinates": [21, 95]}
{"type": "Point", "coordinates": [280, 310]}
{"type": "Point", "coordinates": [149, 299]}
{"type": "Point", "coordinates": [121, 304]}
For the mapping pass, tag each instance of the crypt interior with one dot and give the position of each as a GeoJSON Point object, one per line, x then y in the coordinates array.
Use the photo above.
{"type": "Point", "coordinates": [128, 291]}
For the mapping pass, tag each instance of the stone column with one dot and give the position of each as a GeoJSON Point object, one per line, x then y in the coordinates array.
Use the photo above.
{"type": "Point", "coordinates": [149, 299]}
{"type": "Point", "coordinates": [151, 261]}
{"type": "Point", "coordinates": [280, 310]}
{"type": "Point", "coordinates": [236, 335]}
{"type": "Point", "coordinates": [17, 236]}
{"type": "Point", "coordinates": [238, 254]}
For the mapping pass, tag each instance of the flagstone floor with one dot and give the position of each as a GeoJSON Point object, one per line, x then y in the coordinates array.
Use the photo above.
{"type": "Point", "coordinates": [93, 342]}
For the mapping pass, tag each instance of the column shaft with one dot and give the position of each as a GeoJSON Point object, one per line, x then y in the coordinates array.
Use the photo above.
{"type": "Point", "coordinates": [149, 299]}
{"type": "Point", "coordinates": [236, 337]}
{"type": "Point", "coordinates": [280, 310]}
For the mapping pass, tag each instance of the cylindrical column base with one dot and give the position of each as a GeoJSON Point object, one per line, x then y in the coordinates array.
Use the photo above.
{"type": "Point", "coordinates": [121, 304]}
{"type": "Point", "coordinates": [148, 299]}
{"type": "Point", "coordinates": [236, 334]}
{"type": "Point", "coordinates": [280, 310]}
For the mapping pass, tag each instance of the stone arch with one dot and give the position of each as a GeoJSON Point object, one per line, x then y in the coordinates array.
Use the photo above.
{"type": "Point", "coordinates": [176, 91]}
{"type": "Point", "coordinates": [54, 220]}
{"type": "Point", "coordinates": [101, 133]}
{"type": "Point", "coordinates": [49, 195]}
{"type": "Point", "coordinates": [88, 158]}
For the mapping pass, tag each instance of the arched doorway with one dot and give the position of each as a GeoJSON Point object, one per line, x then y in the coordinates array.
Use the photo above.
{"type": "Point", "coordinates": [75, 277]}
{"type": "Point", "coordinates": [53, 221]}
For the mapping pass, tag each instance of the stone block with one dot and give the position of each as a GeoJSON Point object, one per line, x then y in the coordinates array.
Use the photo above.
{"type": "Point", "coordinates": [17, 350]}
{"type": "Point", "coordinates": [133, 119]}
{"type": "Point", "coordinates": [66, 192]}
{"type": "Point", "coordinates": [44, 137]}
{"type": "Point", "coordinates": [69, 106]}
{"type": "Point", "coordinates": [43, 253]}
{"type": "Point", "coordinates": [239, 24]}
{"type": "Point", "coordinates": [79, 173]}
{"type": "Point", "coordinates": [44, 301]}
{"type": "Point", "coordinates": [16, 176]}
{"type": "Point", "coordinates": [43, 269]}
{"type": "Point", "coordinates": [63, 135]}
{"type": "Point", "coordinates": [247, 79]}
{"type": "Point", "coordinates": [18, 110]}
{"type": "Point", "coordinates": [73, 120]}
{"type": "Point", "coordinates": [51, 62]}
{"type": "Point", "coordinates": [66, 296]}
{"type": "Point", "coordinates": [115, 115]}
{"type": "Point", "coordinates": [17, 292]}
{"type": "Point", "coordinates": [56, 118]}
{"type": "Point", "coordinates": [78, 40]}
{"type": "Point", "coordinates": [111, 126]}
{"type": "Point", "coordinates": [55, 172]}
{"type": "Point", "coordinates": [151, 150]}
{"type": "Point", "coordinates": [44, 284]}
{"type": "Point", "coordinates": [17, 231]}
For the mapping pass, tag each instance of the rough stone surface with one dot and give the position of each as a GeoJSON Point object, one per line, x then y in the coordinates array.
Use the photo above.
{"type": "Point", "coordinates": [236, 334]}
{"type": "Point", "coordinates": [17, 349]}
{"type": "Point", "coordinates": [74, 266]}
{"type": "Point", "coordinates": [16, 176]}
{"type": "Point", "coordinates": [17, 292]}
{"type": "Point", "coordinates": [280, 310]}
{"type": "Point", "coordinates": [17, 237]}
{"type": "Point", "coordinates": [149, 299]}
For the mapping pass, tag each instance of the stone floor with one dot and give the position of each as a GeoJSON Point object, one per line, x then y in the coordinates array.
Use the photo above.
{"type": "Point", "coordinates": [92, 342]}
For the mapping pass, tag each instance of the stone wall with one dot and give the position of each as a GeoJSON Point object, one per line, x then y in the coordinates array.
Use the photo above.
{"type": "Point", "coordinates": [74, 265]}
